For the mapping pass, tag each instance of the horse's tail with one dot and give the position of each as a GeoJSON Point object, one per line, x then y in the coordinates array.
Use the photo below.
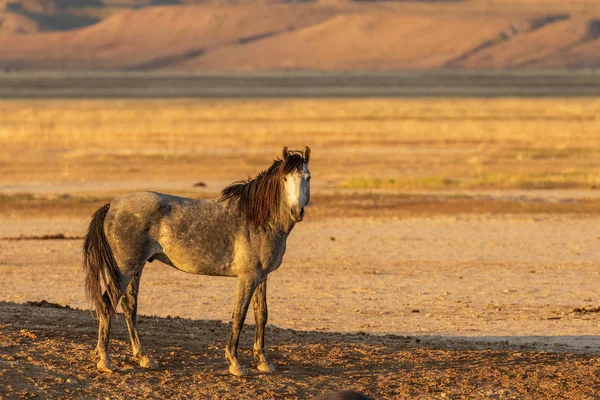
{"type": "Point", "coordinates": [101, 270]}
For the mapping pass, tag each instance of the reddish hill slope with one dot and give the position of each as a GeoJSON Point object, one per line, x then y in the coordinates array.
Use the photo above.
{"type": "Point", "coordinates": [325, 36]}
{"type": "Point", "coordinates": [153, 37]}
{"type": "Point", "coordinates": [375, 40]}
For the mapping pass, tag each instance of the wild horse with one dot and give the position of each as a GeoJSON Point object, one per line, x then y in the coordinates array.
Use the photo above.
{"type": "Point", "coordinates": [241, 234]}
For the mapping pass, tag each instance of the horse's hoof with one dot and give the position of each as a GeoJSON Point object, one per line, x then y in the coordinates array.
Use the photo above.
{"type": "Point", "coordinates": [105, 366]}
{"type": "Point", "coordinates": [266, 366]}
{"type": "Point", "coordinates": [148, 362]}
{"type": "Point", "coordinates": [237, 370]}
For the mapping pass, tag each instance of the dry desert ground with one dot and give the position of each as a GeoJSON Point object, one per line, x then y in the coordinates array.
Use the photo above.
{"type": "Point", "coordinates": [450, 251]}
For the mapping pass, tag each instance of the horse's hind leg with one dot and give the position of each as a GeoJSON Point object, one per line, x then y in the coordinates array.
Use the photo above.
{"type": "Point", "coordinates": [259, 303]}
{"type": "Point", "coordinates": [105, 315]}
{"type": "Point", "coordinates": [129, 305]}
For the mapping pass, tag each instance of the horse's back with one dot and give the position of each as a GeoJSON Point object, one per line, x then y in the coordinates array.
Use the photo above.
{"type": "Point", "coordinates": [132, 225]}
{"type": "Point", "coordinates": [196, 236]}
{"type": "Point", "coordinates": [136, 210]}
{"type": "Point", "coordinates": [199, 236]}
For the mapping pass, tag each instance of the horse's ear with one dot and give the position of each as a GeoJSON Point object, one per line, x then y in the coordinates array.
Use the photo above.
{"type": "Point", "coordinates": [307, 154]}
{"type": "Point", "coordinates": [285, 153]}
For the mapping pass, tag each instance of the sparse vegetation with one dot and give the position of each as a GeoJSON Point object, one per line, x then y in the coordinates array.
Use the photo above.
{"type": "Point", "coordinates": [491, 181]}
{"type": "Point", "coordinates": [428, 182]}
{"type": "Point", "coordinates": [402, 144]}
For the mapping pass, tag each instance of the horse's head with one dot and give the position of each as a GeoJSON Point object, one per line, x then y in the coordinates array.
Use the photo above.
{"type": "Point", "coordinates": [296, 181]}
{"type": "Point", "coordinates": [278, 194]}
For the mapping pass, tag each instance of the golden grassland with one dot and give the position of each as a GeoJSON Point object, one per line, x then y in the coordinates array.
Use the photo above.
{"type": "Point", "coordinates": [403, 144]}
{"type": "Point", "coordinates": [565, 180]}
{"type": "Point", "coordinates": [323, 206]}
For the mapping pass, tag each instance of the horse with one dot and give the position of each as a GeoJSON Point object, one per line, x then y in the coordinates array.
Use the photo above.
{"type": "Point", "coordinates": [241, 234]}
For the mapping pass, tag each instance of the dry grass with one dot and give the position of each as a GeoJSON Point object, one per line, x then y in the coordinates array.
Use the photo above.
{"type": "Point", "coordinates": [402, 144]}
{"type": "Point", "coordinates": [324, 206]}
{"type": "Point", "coordinates": [491, 181]}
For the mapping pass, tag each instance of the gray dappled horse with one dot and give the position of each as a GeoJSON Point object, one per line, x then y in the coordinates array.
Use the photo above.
{"type": "Point", "coordinates": [241, 234]}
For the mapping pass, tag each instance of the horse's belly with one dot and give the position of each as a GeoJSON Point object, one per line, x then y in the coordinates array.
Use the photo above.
{"type": "Point", "coordinates": [200, 264]}
{"type": "Point", "coordinates": [206, 269]}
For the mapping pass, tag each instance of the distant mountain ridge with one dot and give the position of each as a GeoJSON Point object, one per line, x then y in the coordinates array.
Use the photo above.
{"type": "Point", "coordinates": [216, 35]}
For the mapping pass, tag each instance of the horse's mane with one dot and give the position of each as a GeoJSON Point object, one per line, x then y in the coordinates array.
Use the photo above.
{"type": "Point", "coordinates": [258, 198]}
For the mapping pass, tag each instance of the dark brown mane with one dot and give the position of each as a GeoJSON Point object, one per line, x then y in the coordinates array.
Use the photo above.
{"type": "Point", "coordinates": [258, 198]}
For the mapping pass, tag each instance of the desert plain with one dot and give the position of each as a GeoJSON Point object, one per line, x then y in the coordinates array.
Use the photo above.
{"type": "Point", "coordinates": [450, 249]}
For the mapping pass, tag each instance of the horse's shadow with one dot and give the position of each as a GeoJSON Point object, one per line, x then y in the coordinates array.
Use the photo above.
{"type": "Point", "coordinates": [310, 353]}
{"type": "Point", "coordinates": [55, 344]}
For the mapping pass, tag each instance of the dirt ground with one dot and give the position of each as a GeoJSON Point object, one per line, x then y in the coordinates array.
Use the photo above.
{"type": "Point", "coordinates": [493, 305]}
{"type": "Point", "coordinates": [45, 352]}
{"type": "Point", "coordinates": [489, 293]}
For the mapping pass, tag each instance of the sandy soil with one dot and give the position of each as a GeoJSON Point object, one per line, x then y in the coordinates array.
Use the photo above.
{"type": "Point", "coordinates": [492, 305]}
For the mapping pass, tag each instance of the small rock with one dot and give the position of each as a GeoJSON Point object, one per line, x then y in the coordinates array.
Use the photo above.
{"type": "Point", "coordinates": [28, 334]}
{"type": "Point", "coordinates": [72, 381]}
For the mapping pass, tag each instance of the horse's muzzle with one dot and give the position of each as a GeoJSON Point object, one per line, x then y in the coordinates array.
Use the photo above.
{"type": "Point", "coordinates": [297, 213]}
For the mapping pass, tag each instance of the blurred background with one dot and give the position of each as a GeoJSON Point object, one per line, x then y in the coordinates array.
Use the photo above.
{"type": "Point", "coordinates": [332, 35]}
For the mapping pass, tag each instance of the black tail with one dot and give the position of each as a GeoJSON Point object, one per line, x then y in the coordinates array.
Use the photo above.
{"type": "Point", "coordinates": [101, 270]}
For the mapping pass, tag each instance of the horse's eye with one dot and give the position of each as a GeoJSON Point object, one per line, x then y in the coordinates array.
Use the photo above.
{"type": "Point", "coordinates": [285, 179]}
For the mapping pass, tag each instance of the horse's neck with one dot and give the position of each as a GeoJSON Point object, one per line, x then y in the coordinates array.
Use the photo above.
{"type": "Point", "coordinates": [280, 228]}
{"type": "Point", "coordinates": [271, 245]}
{"type": "Point", "coordinates": [272, 235]}
{"type": "Point", "coordinates": [281, 222]}
{"type": "Point", "coordinates": [278, 234]}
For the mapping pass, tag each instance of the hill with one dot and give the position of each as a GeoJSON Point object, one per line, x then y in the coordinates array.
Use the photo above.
{"type": "Point", "coordinates": [324, 35]}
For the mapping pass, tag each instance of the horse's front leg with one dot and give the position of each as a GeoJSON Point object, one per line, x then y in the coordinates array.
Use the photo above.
{"type": "Point", "coordinates": [259, 303]}
{"type": "Point", "coordinates": [245, 289]}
